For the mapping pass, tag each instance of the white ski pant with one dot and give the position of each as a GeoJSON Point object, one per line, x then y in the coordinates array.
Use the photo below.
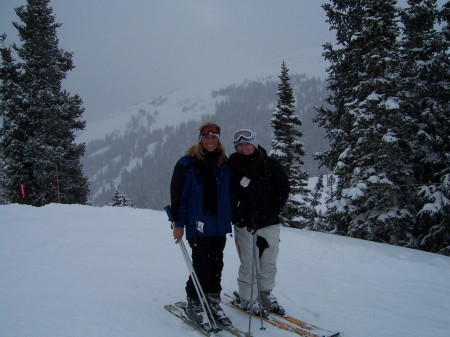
{"type": "Point", "coordinates": [266, 265]}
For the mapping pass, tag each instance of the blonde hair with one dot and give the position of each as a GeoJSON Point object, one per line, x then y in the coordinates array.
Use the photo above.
{"type": "Point", "coordinates": [196, 150]}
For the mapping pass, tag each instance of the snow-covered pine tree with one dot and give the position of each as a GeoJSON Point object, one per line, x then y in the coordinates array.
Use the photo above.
{"type": "Point", "coordinates": [378, 197]}
{"type": "Point", "coordinates": [127, 201]}
{"type": "Point", "coordinates": [425, 96]}
{"type": "Point", "coordinates": [46, 115]}
{"type": "Point", "coordinates": [369, 146]}
{"type": "Point", "coordinates": [14, 136]}
{"type": "Point", "coordinates": [317, 193]}
{"type": "Point", "coordinates": [345, 18]}
{"type": "Point", "coordinates": [289, 150]}
{"type": "Point", "coordinates": [116, 199]}
{"type": "Point", "coordinates": [3, 200]}
{"type": "Point", "coordinates": [440, 233]}
{"type": "Point", "coordinates": [331, 190]}
{"type": "Point", "coordinates": [121, 200]}
{"type": "Point", "coordinates": [316, 196]}
{"type": "Point", "coordinates": [444, 223]}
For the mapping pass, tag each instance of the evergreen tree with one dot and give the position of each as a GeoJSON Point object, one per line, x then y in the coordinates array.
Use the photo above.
{"type": "Point", "coordinates": [289, 150]}
{"type": "Point", "coordinates": [39, 127]}
{"type": "Point", "coordinates": [345, 18]}
{"type": "Point", "coordinates": [14, 136]}
{"type": "Point", "coordinates": [3, 200]}
{"type": "Point", "coordinates": [444, 214]}
{"type": "Point", "coordinates": [379, 207]}
{"type": "Point", "coordinates": [116, 199]}
{"type": "Point", "coordinates": [331, 191]}
{"type": "Point", "coordinates": [425, 96]}
{"type": "Point", "coordinates": [121, 200]}
{"type": "Point", "coordinates": [321, 222]}
{"type": "Point", "coordinates": [369, 146]}
{"type": "Point", "coordinates": [388, 122]}
{"type": "Point", "coordinates": [316, 196]}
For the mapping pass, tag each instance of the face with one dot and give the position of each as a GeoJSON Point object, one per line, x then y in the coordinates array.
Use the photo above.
{"type": "Point", "coordinates": [209, 142]}
{"type": "Point", "coordinates": [245, 148]}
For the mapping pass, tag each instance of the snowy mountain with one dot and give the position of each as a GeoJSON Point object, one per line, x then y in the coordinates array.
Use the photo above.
{"type": "Point", "coordinates": [134, 150]}
{"type": "Point", "coordinates": [172, 108]}
{"type": "Point", "coordinates": [132, 140]}
{"type": "Point", "coordinates": [78, 271]}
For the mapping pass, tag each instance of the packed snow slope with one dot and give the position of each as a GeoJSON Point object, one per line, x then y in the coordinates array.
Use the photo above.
{"type": "Point", "coordinates": [80, 271]}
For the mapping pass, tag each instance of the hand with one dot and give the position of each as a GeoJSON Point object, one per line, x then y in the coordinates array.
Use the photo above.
{"type": "Point", "coordinates": [178, 234]}
{"type": "Point", "coordinates": [241, 223]}
{"type": "Point", "coordinates": [238, 221]}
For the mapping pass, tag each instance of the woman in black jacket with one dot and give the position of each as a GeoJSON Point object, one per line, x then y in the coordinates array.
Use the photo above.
{"type": "Point", "coordinates": [260, 188]}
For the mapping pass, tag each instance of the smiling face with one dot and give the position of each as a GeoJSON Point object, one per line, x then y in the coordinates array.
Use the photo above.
{"type": "Point", "coordinates": [245, 149]}
{"type": "Point", "coordinates": [210, 142]}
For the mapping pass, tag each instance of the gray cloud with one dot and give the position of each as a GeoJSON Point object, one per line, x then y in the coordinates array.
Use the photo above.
{"type": "Point", "coordinates": [129, 51]}
{"type": "Point", "coordinates": [126, 51]}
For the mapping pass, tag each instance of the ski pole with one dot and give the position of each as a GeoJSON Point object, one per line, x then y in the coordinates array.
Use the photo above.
{"type": "Point", "coordinates": [256, 260]}
{"type": "Point", "coordinates": [252, 279]}
{"type": "Point", "coordinates": [198, 288]}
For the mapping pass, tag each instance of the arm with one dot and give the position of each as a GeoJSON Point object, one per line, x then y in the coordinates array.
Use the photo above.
{"type": "Point", "coordinates": [176, 191]}
{"type": "Point", "coordinates": [281, 185]}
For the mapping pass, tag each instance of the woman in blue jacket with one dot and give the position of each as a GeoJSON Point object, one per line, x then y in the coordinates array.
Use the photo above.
{"type": "Point", "coordinates": [201, 207]}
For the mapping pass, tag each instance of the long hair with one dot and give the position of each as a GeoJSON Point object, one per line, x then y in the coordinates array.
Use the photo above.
{"type": "Point", "coordinates": [196, 150]}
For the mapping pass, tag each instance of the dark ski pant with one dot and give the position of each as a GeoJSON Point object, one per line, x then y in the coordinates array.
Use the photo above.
{"type": "Point", "coordinates": [207, 259]}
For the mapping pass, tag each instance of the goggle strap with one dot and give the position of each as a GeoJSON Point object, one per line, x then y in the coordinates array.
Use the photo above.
{"type": "Point", "coordinates": [210, 133]}
{"type": "Point", "coordinates": [209, 130]}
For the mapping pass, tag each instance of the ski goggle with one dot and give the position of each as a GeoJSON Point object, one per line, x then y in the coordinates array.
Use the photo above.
{"type": "Point", "coordinates": [246, 135]}
{"type": "Point", "coordinates": [209, 130]}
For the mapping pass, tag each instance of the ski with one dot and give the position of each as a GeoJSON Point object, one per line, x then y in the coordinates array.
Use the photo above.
{"type": "Point", "coordinates": [231, 329]}
{"type": "Point", "coordinates": [286, 322]}
{"type": "Point", "coordinates": [181, 315]}
{"type": "Point", "coordinates": [273, 321]}
{"type": "Point", "coordinates": [298, 322]}
{"type": "Point", "coordinates": [178, 310]}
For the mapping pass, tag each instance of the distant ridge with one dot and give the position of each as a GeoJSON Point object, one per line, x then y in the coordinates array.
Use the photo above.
{"type": "Point", "coordinates": [134, 150]}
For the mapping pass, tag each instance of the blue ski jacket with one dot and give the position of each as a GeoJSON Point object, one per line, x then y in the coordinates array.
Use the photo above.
{"type": "Point", "coordinates": [187, 200]}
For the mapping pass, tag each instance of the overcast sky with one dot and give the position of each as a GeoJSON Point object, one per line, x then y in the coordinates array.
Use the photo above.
{"type": "Point", "coordinates": [127, 51]}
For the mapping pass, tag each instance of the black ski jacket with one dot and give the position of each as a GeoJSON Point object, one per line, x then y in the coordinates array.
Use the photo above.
{"type": "Point", "coordinates": [257, 202]}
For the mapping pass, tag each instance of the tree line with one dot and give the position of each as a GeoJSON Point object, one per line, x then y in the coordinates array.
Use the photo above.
{"type": "Point", "coordinates": [386, 118]}
{"type": "Point", "coordinates": [388, 122]}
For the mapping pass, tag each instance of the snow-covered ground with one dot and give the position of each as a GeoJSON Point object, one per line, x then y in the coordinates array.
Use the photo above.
{"type": "Point", "coordinates": [80, 271]}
